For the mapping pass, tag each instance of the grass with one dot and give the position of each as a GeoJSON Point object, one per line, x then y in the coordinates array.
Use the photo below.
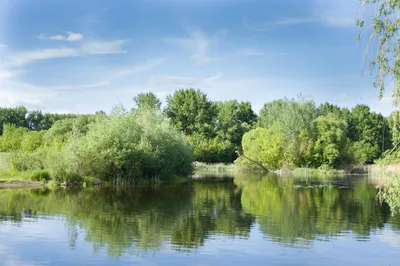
{"type": "Point", "coordinates": [214, 168]}
{"type": "Point", "coordinates": [318, 172]}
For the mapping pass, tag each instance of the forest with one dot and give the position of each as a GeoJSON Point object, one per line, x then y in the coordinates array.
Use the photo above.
{"type": "Point", "coordinates": [150, 142]}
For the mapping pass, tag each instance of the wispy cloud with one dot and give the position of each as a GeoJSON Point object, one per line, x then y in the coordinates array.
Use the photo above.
{"type": "Point", "coordinates": [103, 47]}
{"type": "Point", "coordinates": [6, 74]}
{"type": "Point", "coordinates": [81, 86]}
{"type": "Point", "coordinates": [87, 48]}
{"type": "Point", "coordinates": [198, 43]}
{"type": "Point", "coordinates": [257, 53]}
{"type": "Point", "coordinates": [176, 82]}
{"type": "Point", "coordinates": [24, 58]}
{"type": "Point", "coordinates": [140, 67]}
{"type": "Point", "coordinates": [331, 13]}
{"type": "Point", "coordinates": [273, 24]}
{"type": "Point", "coordinates": [2, 46]}
{"type": "Point", "coordinates": [69, 36]}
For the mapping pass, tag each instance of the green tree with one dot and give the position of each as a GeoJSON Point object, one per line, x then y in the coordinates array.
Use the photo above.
{"type": "Point", "coordinates": [233, 120]}
{"type": "Point", "coordinates": [147, 100]}
{"type": "Point", "coordinates": [13, 116]}
{"type": "Point", "coordinates": [192, 112]}
{"type": "Point", "coordinates": [263, 148]}
{"type": "Point", "coordinates": [385, 62]}
{"type": "Point", "coordinates": [329, 147]}
{"type": "Point", "coordinates": [293, 116]}
{"type": "Point", "coordinates": [370, 134]}
{"type": "Point", "coordinates": [12, 138]}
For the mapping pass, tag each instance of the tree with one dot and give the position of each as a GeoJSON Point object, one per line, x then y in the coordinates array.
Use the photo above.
{"type": "Point", "coordinates": [13, 116]}
{"type": "Point", "coordinates": [263, 148]}
{"type": "Point", "coordinates": [385, 31]}
{"type": "Point", "coordinates": [191, 112]}
{"type": "Point", "coordinates": [369, 132]}
{"type": "Point", "coordinates": [233, 120]}
{"type": "Point", "coordinates": [147, 100]}
{"type": "Point", "coordinates": [330, 144]}
{"type": "Point", "coordinates": [292, 115]}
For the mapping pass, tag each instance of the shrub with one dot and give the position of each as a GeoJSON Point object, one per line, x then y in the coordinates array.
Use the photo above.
{"type": "Point", "coordinates": [40, 175]}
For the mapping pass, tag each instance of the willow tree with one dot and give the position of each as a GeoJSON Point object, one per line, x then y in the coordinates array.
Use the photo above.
{"type": "Point", "coordinates": [385, 37]}
{"type": "Point", "coordinates": [384, 40]}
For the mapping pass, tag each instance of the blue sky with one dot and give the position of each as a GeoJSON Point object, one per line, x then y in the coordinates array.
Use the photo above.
{"type": "Point", "coordinates": [84, 56]}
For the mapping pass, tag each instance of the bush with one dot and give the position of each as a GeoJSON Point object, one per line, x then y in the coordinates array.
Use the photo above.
{"type": "Point", "coordinates": [90, 180]}
{"type": "Point", "coordinates": [125, 147]}
{"type": "Point", "coordinates": [40, 175]}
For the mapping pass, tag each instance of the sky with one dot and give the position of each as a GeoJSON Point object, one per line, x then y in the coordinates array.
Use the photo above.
{"type": "Point", "coordinates": [77, 56]}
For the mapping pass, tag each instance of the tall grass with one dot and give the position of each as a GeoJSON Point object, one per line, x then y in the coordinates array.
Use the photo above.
{"type": "Point", "coordinates": [214, 168]}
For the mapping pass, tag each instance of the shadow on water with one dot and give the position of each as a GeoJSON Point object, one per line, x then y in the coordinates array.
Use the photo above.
{"type": "Point", "coordinates": [290, 211]}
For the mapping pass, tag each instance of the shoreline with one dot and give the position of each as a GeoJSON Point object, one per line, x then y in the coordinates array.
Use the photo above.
{"type": "Point", "coordinates": [222, 170]}
{"type": "Point", "coordinates": [21, 184]}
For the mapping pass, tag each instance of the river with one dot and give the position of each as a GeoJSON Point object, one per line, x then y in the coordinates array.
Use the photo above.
{"type": "Point", "coordinates": [246, 220]}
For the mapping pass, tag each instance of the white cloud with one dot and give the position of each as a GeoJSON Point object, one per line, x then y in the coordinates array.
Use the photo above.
{"type": "Point", "coordinates": [24, 58]}
{"type": "Point", "coordinates": [103, 47]}
{"type": "Point", "coordinates": [69, 36]}
{"type": "Point", "coordinates": [198, 43]}
{"type": "Point", "coordinates": [5, 74]}
{"type": "Point", "coordinates": [89, 48]}
{"type": "Point", "coordinates": [2, 46]}
{"type": "Point", "coordinates": [16, 93]}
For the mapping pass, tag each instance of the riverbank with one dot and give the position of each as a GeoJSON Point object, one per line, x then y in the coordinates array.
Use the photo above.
{"type": "Point", "coordinates": [21, 184]}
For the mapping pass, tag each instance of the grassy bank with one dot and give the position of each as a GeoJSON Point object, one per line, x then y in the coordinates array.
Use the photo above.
{"type": "Point", "coordinates": [214, 168]}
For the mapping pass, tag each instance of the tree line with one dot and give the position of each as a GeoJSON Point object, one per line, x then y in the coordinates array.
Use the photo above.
{"type": "Point", "coordinates": [286, 133]}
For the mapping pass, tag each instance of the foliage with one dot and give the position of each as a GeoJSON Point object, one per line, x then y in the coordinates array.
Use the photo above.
{"type": "Point", "coordinates": [386, 32]}
{"type": "Point", "coordinates": [293, 116]}
{"type": "Point", "coordinates": [128, 146]}
{"type": "Point", "coordinates": [40, 175]}
{"type": "Point", "coordinates": [12, 116]}
{"type": "Point", "coordinates": [212, 150]}
{"type": "Point", "coordinates": [263, 147]}
{"type": "Point", "coordinates": [330, 142]}
{"type": "Point", "coordinates": [233, 120]}
{"type": "Point", "coordinates": [191, 112]}
{"type": "Point", "coordinates": [12, 138]}
{"type": "Point", "coordinates": [390, 193]}
{"type": "Point", "coordinates": [147, 100]}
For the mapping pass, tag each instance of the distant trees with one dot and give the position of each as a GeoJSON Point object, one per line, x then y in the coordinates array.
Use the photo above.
{"type": "Point", "coordinates": [323, 136]}
{"type": "Point", "coordinates": [192, 112]}
{"type": "Point", "coordinates": [215, 129]}
{"type": "Point", "coordinates": [14, 116]}
{"type": "Point", "coordinates": [147, 100]}
{"type": "Point", "coordinates": [287, 133]}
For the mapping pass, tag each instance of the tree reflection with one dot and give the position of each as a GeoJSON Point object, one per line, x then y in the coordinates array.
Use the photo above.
{"type": "Point", "coordinates": [295, 212]}
{"type": "Point", "coordinates": [182, 217]}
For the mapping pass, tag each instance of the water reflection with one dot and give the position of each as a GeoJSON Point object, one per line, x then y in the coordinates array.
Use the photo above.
{"type": "Point", "coordinates": [291, 212]}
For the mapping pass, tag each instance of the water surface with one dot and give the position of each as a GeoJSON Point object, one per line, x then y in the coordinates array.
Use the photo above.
{"type": "Point", "coordinates": [253, 220]}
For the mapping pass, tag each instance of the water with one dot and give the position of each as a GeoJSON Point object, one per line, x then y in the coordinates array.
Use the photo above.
{"type": "Point", "coordinates": [251, 220]}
